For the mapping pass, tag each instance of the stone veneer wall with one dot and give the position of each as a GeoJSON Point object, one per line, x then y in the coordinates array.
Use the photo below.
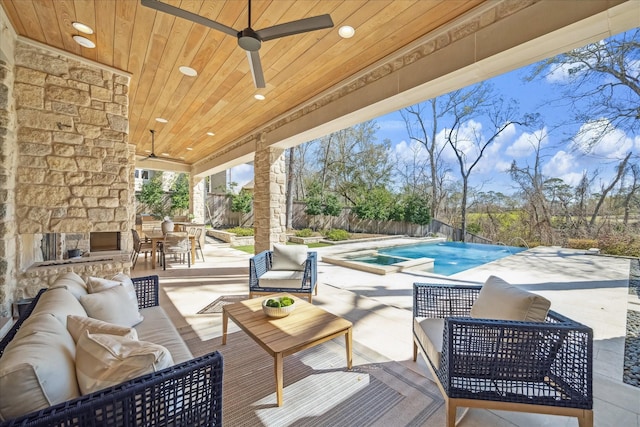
{"type": "Point", "coordinates": [8, 161]}
{"type": "Point", "coordinates": [74, 167]}
{"type": "Point", "coordinates": [269, 199]}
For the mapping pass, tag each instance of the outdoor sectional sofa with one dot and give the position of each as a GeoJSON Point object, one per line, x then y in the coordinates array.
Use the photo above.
{"type": "Point", "coordinates": [53, 353]}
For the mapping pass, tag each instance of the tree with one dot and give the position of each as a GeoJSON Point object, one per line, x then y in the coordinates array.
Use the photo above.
{"type": "Point", "coordinates": [465, 136]}
{"type": "Point", "coordinates": [241, 202]}
{"type": "Point", "coordinates": [604, 88]}
{"type": "Point", "coordinates": [622, 167]}
{"type": "Point", "coordinates": [152, 195]}
{"type": "Point", "coordinates": [180, 193]}
{"type": "Point", "coordinates": [423, 130]}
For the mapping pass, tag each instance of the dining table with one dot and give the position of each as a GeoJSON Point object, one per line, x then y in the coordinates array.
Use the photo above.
{"type": "Point", "coordinates": [156, 236]}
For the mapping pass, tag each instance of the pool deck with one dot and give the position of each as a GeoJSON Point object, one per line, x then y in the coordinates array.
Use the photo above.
{"type": "Point", "coordinates": [591, 289]}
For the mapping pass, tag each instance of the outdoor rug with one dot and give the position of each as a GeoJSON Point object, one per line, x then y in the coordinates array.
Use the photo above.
{"type": "Point", "coordinates": [318, 389]}
{"type": "Point", "coordinates": [216, 306]}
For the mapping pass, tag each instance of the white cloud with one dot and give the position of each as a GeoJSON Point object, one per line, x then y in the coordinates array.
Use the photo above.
{"type": "Point", "coordinates": [560, 164]}
{"type": "Point", "coordinates": [526, 143]}
{"type": "Point", "coordinates": [405, 151]}
{"type": "Point", "coordinates": [614, 145]}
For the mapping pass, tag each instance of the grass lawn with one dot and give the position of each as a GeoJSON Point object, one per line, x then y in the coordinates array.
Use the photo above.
{"type": "Point", "coordinates": [250, 248]}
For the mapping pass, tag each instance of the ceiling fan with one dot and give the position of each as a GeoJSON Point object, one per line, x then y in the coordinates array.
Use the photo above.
{"type": "Point", "coordinates": [249, 39]}
{"type": "Point", "coordinates": [153, 156]}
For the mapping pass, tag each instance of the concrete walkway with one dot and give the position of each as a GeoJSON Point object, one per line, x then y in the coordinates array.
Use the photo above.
{"type": "Point", "coordinates": [588, 288]}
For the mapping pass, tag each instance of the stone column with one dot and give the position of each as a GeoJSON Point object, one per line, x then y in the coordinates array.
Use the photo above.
{"type": "Point", "coordinates": [8, 165]}
{"type": "Point", "coordinates": [269, 201]}
{"type": "Point", "coordinates": [197, 195]}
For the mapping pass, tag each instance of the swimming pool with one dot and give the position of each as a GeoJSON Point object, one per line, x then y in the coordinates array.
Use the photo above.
{"type": "Point", "coordinates": [452, 257]}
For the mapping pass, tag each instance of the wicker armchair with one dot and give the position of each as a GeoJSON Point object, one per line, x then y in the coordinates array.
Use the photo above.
{"type": "Point", "coordinates": [184, 395]}
{"type": "Point", "coordinates": [294, 282]}
{"type": "Point", "coordinates": [543, 367]}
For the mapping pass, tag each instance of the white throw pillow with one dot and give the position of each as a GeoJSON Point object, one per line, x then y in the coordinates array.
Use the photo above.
{"type": "Point", "coordinates": [113, 306]}
{"type": "Point", "coordinates": [106, 360]}
{"type": "Point", "coordinates": [60, 302]}
{"type": "Point", "coordinates": [289, 257]}
{"type": "Point", "coordinates": [98, 284]}
{"type": "Point", "coordinates": [77, 325]}
{"type": "Point", "coordinates": [74, 284]}
{"type": "Point", "coordinates": [500, 300]}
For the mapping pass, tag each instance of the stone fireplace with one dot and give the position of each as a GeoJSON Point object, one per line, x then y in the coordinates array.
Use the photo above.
{"type": "Point", "coordinates": [67, 167]}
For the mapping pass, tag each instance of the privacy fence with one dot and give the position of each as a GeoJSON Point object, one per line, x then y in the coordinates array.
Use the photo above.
{"type": "Point", "coordinates": [218, 213]}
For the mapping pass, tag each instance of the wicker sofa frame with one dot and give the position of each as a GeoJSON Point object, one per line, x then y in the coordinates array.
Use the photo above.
{"type": "Point", "coordinates": [543, 367]}
{"type": "Point", "coordinates": [186, 394]}
{"type": "Point", "coordinates": [262, 262]}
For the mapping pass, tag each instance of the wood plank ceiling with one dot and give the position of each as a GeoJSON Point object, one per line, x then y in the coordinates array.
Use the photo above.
{"type": "Point", "coordinates": [153, 45]}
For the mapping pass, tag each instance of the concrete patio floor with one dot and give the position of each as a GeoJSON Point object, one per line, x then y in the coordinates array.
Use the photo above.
{"type": "Point", "coordinates": [588, 288]}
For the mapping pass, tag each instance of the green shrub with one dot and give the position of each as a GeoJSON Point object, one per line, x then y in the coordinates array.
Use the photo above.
{"type": "Point", "coordinates": [305, 232]}
{"type": "Point", "coordinates": [337, 235]}
{"type": "Point", "coordinates": [240, 231]}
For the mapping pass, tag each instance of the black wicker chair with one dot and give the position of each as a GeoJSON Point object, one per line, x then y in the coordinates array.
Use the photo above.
{"type": "Point", "coordinates": [542, 367]}
{"type": "Point", "coordinates": [262, 263]}
{"type": "Point", "coordinates": [187, 394]}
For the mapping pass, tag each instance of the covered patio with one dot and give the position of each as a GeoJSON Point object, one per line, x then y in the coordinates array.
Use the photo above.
{"type": "Point", "coordinates": [591, 289]}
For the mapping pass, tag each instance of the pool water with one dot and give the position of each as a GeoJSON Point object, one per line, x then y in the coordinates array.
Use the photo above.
{"type": "Point", "coordinates": [453, 257]}
{"type": "Point", "coordinates": [379, 259]}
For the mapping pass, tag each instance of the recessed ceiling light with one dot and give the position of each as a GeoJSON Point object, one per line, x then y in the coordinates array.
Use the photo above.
{"type": "Point", "coordinates": [210, 133]}
{"type": "Point", "coordinates": [147, 151]}
{"type": "Point", "coordinates": [83, 28]}
{"type": "Point", "coordinates": [189, 149]}
{"type": "Point", "coordinates": [161, 120]}
{"type": "Point", "coordinates": [346, 32]}
{"type": "Point", "coordinates": [188, 71]}
{"type": "Point", "coordinates": [84, 42]}
{"type": "Point", "coordinates": [165, 154]}
{"type": "Point", "coordinates": [259, 97]}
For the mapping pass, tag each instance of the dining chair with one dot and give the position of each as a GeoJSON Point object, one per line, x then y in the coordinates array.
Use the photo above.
{"type": "Point", "coordinates": [176, 243]}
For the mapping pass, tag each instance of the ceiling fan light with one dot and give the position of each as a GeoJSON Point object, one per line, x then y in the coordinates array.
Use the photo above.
{"type": "Point", "coordinates": [161, 120]}
{"type": "Point", "coordinates": [188, 71]}
{"type": "Point", "coordinates": [84, 42]}
{"type": "Point", "coordinates": [83, 28]}
{"type": "Point", "coordinates": [346, 31]}
{"type": "Point", "coordinates": [259, 97]}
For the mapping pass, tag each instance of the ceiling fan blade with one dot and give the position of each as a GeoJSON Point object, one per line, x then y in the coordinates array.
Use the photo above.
{"type": "Point", "coordinates": [256, 68]}
{"type": "Point", "coordinates": [295, 27]}
{"type": "Point", "coordinates": [181, 13]}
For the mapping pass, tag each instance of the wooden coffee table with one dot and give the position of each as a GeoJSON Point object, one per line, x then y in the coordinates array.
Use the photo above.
{"type": "Point", "coordinates": [305, 327]}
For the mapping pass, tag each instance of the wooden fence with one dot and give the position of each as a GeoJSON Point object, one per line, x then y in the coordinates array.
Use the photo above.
{"type": "Point", "coordinates": [218, 213]}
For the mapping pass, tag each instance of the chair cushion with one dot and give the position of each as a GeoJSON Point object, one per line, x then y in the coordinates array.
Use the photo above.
{"type": "Point", "coordinates": [37, 368]}
{"type": "Point", "coordinates": [76, 326]}
{"type": "Point", "coordinates": [60, 302]}
{"type": "Point", "coordinates": [500, 300]}
{"type": "Point", "coordinates": [104, 360]}
{"type": "Point", "coordinates": [158, 328]}
{"type": "Point", "coordinates": [113, 306]}
{"type": "Point", "coordinates": [290, 279]}
{"type": "Point", "coordinates": [289, 257]}
{"type": "Point", "coordinates": [429, 332]}
{"type": "Point", "coordinates": [74, 284]}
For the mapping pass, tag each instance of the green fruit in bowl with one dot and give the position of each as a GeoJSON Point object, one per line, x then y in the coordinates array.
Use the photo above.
{"type": "Point", "coordinates": [270, 302]}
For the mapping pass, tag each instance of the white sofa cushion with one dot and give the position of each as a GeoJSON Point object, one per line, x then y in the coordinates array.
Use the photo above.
{"type": "Point", "coordinates": [500, 300]}
{"type": "Point", "coordinates": [60, 302]}
{"type": "Point", "coordinates": [289, 257]}
{"type": "Point", "coordinates": [74, 284]}
{"type": "Point", "coordinates": [290, 279]}
{"type": "Point", "coordinates": [76, 325]}
{"type": "Point", "coordinates": [113, 305]}
{"type": "Point", "coordinates": [106, 360]}
{"type": "Point", "coordinates": [37, 369]}
{"type": "Point", "coordinates": [430, 334]}
{"type": "Point", "coordinates": [157, 328]}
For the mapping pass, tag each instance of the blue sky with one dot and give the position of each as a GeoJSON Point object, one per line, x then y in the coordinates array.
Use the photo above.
{"type": "Point", "coordinates": [562, 155]}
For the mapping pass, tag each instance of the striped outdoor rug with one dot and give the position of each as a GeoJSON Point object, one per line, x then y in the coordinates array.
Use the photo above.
{"type": "Point", "coordinates": [319, 390]}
